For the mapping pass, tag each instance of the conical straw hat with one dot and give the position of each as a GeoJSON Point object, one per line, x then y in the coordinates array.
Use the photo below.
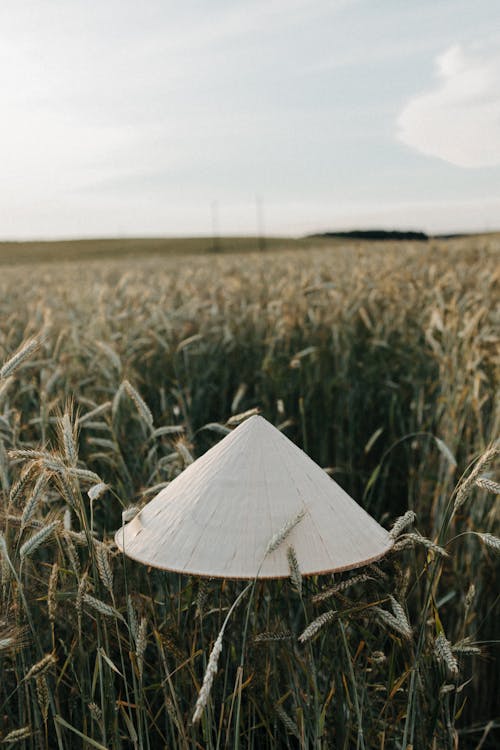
{"type": "Point", "coordinates": [219, 517]}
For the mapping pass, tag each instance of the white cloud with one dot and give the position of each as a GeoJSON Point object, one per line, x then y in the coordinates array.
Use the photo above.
{"type": "Point", "coordinates": [459, 120]}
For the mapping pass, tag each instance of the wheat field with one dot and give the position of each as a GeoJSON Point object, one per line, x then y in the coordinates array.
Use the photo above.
{"type": "Point", "coordinates": [382, 362]}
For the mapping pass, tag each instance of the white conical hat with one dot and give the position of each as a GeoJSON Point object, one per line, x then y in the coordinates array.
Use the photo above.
{"type": "Point", "coordinates": [219, 516]}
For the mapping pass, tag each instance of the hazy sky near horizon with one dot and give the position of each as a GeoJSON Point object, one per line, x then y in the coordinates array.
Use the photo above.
{"type": "Point", "coordinates": [134, 118]}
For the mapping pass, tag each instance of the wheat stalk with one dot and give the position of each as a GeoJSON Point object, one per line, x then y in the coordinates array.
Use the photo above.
{"type": "Point", "coordinates": [31, 505]}
{"type": "Point", "coordinates": [141, 405]}
{"type": "Point", "coordinates": [35, 541]}
{"type": "Point", "coordinates": [26, 350]}
{"type": "Point", "coordinates": [111, 354]}
{"type": "Point", "coordinates": [184, 452]}
{"type": "Point", "coordinates": [72, 553]}
{"type": "Point", "coordinates": [25, 477]}
{"type": "Point", "coordinates": [132, 618]}
{"type": "Point", "coordinates": [101, 607]}
{"type": "Point", "coordinates": [488, 484]}
{"type": "Point", "coordinates": [69, 439]}
{"type": "Point", "coordinates": [40, 667]}
{"type": "Point", "coordinates": [51, 592]}
{"type": "Point", "coordinates": [201, 597]}
{"type": "Point", "coordinates": [97, 490]}
{"type": "Point", "coordinates": [340, 587]}
{"type": "Point", "coordinates": [90, 415]}
{"type": "Point", "coordinates": [85, 475]}
{"type": "Point", "coordinates": [466, 485]}
{"type": "Point", "coordinates": [469, 597]}
{"type": "Point", "coordinates": [279, 537]}
{"type": "Point", "coordinates": [409, 540]}
{"type": "Point", "coordinates": [42, 694]}
{"type": "Point", "coordinates": [208, 678]}
{"type": "Point", "coordinates": [141, 645]}
{"type": "Point", "coordinates": [95, 711]}
{"type": "Point", "coordinates": [401, 523]}
{"type": "Point", "coordinates": [213, 661]}
{"type": "Point", "coordinates": [82, 588]}
{"type": "Point", "coordinates": [442, 649]}
{"type": "Point", "coordinates": [316, 625]}
{"type": "Point", "coordinates": [466, 647]}
{"type": "Point", "coordinates": [295, 574]}
{"type": "Point", "coordinates": [17, 735]}
{"type": "Point", "coordinates": [397, 621]}
{"type": "Point", "coordinates": [277, 635]}
{"type": "Point", "coordinates": [287, 721]}
{"type": "Point", "coordinates": [129, 513]}
{"type": "Point", "coordinates": [493, 542]}
{"type": "Point", "coordinates": [103, 566]}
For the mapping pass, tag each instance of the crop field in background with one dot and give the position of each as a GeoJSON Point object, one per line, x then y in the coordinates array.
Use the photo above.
{"type": "Point", "coordinates": [382, 362]}
{"type": "Point", "coordinates": [16, 253]}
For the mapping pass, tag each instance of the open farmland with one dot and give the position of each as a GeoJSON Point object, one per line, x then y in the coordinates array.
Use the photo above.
{"type": "Point", "coordinates": [382, 362]}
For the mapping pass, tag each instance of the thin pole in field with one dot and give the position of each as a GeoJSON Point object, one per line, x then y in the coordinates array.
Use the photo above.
{"type": "Point", "coordinates": [261, 232]}
{"type": "Point", "coordinates": [214, 206]}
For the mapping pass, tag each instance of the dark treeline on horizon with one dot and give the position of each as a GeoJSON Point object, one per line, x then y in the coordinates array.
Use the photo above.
{"type": "Point", "coordinates": [375, 234]}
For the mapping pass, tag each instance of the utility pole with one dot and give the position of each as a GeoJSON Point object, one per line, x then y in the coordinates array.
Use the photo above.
{"type": "Point", "coordinates": [261, 232]}
{"type": "Point", "coordinates": [215, 226]}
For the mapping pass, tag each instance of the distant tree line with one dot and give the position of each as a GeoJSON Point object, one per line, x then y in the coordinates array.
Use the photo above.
{"type": "Point", "coordinates": [375, 234]}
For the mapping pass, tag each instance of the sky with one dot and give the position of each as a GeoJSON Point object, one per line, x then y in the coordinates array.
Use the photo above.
{"type": "Point", "coordinates": [161, 118]}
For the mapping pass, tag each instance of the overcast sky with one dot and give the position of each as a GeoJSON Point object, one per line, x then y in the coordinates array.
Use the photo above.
{"type": "Point", "coordinates": [128, 117]}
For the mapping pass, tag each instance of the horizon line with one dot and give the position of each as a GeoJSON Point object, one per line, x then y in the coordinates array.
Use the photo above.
{"type": "Point", "coordinates": [251, 235]}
